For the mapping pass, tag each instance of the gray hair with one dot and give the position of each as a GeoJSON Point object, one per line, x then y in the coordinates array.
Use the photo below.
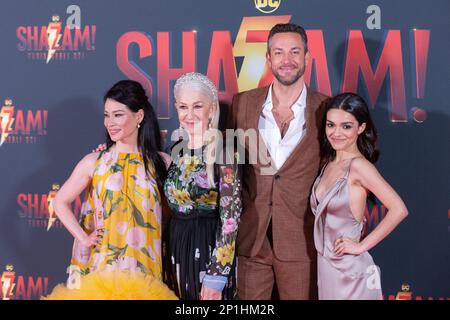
{"type": "Point", "coordinates": [198, 80]}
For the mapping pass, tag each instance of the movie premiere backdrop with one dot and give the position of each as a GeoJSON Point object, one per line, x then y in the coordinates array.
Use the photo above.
{"type": "Point", "coordinates": [58, 58]}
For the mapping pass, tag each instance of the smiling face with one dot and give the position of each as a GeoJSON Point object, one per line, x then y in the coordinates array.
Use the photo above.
{"type": "Point", "coordinates": [342, 130]}
{"type": "Point", "coordinates": [194, 108]}
{"type": "Point", "coordinates": [120, 122]}
{"type": "Point", "coordinates": [287, 58]}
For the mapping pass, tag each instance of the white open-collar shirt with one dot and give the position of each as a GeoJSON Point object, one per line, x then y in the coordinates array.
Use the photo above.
{"type": "Point", "coordinates": [281, 148]}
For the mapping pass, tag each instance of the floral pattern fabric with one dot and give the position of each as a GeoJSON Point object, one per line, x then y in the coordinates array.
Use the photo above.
{"type": "Point", "coordinates": [124, 201]}
{"type": "Point", "coordinates": [188, 190]}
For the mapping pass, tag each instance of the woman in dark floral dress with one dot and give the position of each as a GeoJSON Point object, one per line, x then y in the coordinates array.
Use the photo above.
{"type": "Point", "coordinates": [204, 197]}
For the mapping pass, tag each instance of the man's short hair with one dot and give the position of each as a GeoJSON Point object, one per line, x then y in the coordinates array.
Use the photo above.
{"type": "Point", "coordinates": [287, 27]}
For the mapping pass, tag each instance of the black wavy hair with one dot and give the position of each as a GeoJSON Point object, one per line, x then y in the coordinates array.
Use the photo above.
{"type": "Point", "coordinates": [132, 94]}
{"type": "Point", "coordinates": [367, 140]}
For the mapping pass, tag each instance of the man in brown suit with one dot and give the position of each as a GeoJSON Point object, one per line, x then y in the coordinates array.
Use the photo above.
{"type": "Point", "coordinates": [275, 243]}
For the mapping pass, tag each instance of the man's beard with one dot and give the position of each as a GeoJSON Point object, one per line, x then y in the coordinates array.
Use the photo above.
{"type": "Point", "coordinates": [289, 81]}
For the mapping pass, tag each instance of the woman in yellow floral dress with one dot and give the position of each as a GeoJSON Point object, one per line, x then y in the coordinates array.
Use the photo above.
{"type": "Point", "coordinates": [117, 247]}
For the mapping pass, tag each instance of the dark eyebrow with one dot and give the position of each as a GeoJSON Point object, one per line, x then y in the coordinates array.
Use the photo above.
{"type": "Point", "coordinates": [348, 122]}
{"type": "Point", "coordinates": [294, 48]}
{"type": "Point", "coordinates": [115, 111]}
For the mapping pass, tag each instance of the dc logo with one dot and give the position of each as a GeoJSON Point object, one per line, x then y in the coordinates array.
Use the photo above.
{"type": "Point", "coordinates": [267, 6]}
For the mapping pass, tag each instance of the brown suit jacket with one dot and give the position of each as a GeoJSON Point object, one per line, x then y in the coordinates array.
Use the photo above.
{"type": "Point", "coordinates": [284, 195]}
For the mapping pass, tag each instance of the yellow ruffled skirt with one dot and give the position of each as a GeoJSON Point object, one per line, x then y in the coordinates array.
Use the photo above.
{"type": "Point", "coordinates": [114, 285]}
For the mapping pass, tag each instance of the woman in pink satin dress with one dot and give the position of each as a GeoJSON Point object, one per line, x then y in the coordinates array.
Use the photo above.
{"type": "Point", "coordinates": [346, 270]}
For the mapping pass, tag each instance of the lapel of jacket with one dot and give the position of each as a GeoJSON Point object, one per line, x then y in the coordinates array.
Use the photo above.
{"type": "Point", "coordinates": [254, 109]}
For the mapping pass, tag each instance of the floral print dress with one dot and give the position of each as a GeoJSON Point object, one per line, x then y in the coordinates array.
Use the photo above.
{"type": "Point", "coordinates": [200, 242]}
{"type": "Point", "coordinates": [125, 202]}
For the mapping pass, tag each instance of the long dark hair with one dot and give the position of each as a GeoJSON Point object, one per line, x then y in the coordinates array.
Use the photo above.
{"type": "Point", "coordinates": [132, 94]}
{"type": "Point", "coordinates": [367, 140]}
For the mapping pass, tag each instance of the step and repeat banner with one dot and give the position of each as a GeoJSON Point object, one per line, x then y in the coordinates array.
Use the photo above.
{"type": "Point", "coordinates": [58, 58]}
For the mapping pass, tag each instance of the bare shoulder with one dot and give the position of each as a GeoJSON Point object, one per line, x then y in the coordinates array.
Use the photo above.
{"type": "Point", "coordinates": [362, 169]}
{"type": "Point", "coordinates": [360, 164]}
{"type": "Point", "coordinates": [167, 158]}
{"type": "Point", "coordinates": [90, 158]}
{"type": "Point", "coordinates": [87, 164]}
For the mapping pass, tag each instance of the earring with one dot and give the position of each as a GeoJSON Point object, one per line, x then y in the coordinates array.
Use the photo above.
{"type": "Point", "coordinates": [209, 123]}
{"type": "Point", "coordinates": [138, 125]}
